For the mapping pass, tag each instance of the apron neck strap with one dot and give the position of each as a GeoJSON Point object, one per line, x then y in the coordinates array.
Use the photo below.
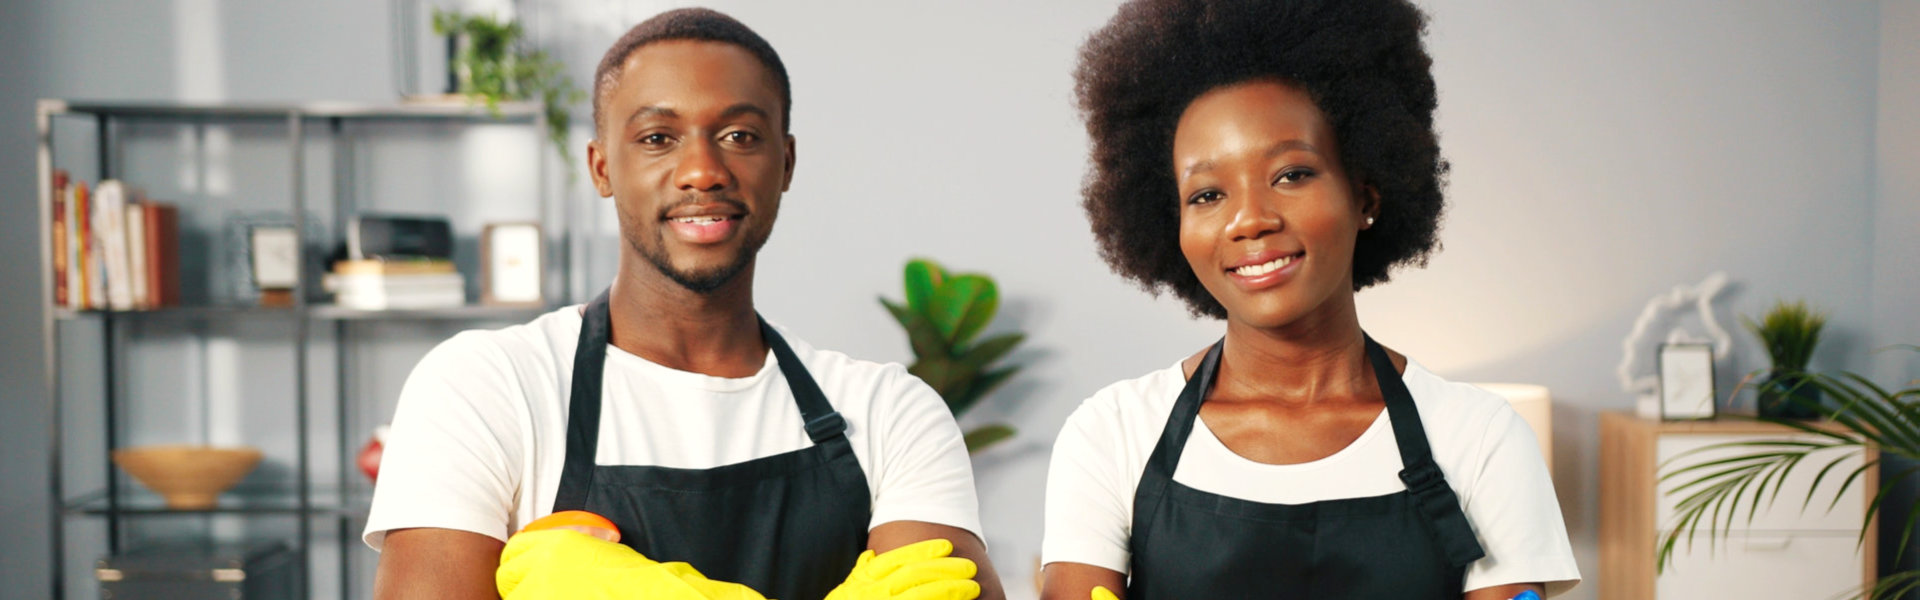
{"type": "Point", "coordinates": [1173, 437]}
{"type": "Point", "coordinates": [823, 423]}
{"type": "Point", "coordinates": [583, 404]}
{"type": "Point", "coordinates": [1416, 456]}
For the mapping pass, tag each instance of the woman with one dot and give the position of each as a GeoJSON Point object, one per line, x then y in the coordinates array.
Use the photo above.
{"type": "Point", "coordinates": [1264, 161]}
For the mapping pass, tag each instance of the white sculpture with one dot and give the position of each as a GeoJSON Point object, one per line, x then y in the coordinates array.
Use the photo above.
{"type": "Point", "coordinates": [1646, 387]}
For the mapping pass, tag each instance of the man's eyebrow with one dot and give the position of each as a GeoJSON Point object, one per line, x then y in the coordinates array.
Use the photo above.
{"type": "Point", "coordinates": [745, 108]}
{"type": "Point", "coordinates": [652, 111]}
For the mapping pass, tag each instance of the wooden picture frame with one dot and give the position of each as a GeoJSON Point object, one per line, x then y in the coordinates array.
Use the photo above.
{"type": "Point", "coordinates": [513, 264]}
{"type": "Point", "coordinates": [1686, 381]}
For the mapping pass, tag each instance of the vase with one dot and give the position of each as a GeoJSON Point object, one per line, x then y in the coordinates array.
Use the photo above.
{"type": "Point", "coordinates": [1789, 395]}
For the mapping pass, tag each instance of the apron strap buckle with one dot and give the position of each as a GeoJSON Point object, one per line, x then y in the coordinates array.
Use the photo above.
{"type": "Point", "coordinates": [1422, 477]}
{"type": "Point", "coordinates": [825, 427]}
{"type": "Point", "coordinates": [1446, 523]}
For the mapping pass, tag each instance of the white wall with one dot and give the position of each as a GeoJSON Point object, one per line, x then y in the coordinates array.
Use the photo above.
{"type": "Point", "coordinates": [1602, 154]}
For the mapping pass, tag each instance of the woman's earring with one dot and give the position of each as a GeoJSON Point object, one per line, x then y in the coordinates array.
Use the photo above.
{"type": "Point", "coordinates": [1369, 221]}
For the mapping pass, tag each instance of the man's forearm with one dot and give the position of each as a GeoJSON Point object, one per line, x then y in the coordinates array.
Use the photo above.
{"type": "Point", "coordinates": [430, 563]}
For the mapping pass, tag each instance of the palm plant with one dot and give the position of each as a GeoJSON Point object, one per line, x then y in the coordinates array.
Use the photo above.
{"type": "Point", "coordinates": [1865, 416]}
{"type": "Point", "coordinates": [943, 314]}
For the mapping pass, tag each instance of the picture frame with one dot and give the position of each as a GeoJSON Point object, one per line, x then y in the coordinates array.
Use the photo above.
{"type": "Point", "coordinates": [512, 264]}
{"type": "Point", "coordinates": [243, 264]}
{"type": "Point", "coordinates": [273, 256]}
{"type": "Point", "coordinates": [1687, 382]}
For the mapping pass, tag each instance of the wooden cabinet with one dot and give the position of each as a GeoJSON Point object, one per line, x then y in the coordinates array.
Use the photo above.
{"type": "Point", "coordinates": [1783, 552]}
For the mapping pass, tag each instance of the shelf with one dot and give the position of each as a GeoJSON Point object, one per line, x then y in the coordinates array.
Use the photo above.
{"type": "Point", "coordinates": [330, 312]}
{"type": "Point", "coordinates": [139, 501]}
{"type": "Point", "coordinates": [317, 312]}
{"type": "Point", "coordinates": [516, 112]}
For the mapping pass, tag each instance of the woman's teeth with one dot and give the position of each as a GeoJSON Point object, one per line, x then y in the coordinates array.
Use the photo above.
{"type": "Point", "coordinates": [700, 220]}
{"type": "Point", "coordinates": [1263, 268]}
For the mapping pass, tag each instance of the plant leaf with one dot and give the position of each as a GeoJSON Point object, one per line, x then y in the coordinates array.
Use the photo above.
{"type": "Point", "coordinates": [989, 350]}
{"type": "Point", "coordinates": [926, 341]}
{"type": "Point", "coordinates": [923, 276]}
{"type": "Point", "coordinates": [987, 435]}
{"type": "Point", "coordinates": [979, 388]}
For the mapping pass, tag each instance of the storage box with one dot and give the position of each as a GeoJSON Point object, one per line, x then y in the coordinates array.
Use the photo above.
{"type": "Point", "coordinates": [255, 571]}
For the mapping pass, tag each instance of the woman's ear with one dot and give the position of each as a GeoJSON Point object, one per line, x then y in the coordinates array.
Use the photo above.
{"type": "Point", "coordinates": [1369, 204]}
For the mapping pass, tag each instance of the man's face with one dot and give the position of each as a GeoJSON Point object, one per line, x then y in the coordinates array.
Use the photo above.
{"type": "Point", "coordinates": [693, 153]}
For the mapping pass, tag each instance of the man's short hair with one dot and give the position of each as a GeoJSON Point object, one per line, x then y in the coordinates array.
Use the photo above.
{"type": "Point", "coordinates": [690, 24]}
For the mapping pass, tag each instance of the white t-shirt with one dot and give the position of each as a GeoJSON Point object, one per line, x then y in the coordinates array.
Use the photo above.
{"type": "Point", "coordinates": [479, 437]}
{"type": "Point", "coordinates": [1484, 448]}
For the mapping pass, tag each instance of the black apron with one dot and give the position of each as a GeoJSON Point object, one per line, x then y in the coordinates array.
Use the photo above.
{"type": "Point", "coordinates": [1409, 545]}
{"type": "Point", "coordinates": [790, 526]}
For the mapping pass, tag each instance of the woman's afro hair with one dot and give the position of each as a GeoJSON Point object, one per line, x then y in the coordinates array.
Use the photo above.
{"type": "Point", "coordinates": [1362, 62]}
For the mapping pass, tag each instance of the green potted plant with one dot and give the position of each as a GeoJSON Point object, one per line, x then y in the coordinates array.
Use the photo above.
{"type": "Point", "coordinates": [942, 315]}
{"type": "Point", "coordinates": [1715, 493]}
{"type": "Point", "coordinates": [1789, 331]}
{"type": "Point", "coordinates": [487, 60]}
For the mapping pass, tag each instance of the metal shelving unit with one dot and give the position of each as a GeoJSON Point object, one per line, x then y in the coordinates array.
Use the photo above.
{"type": "Point", "coordinates": [306, 502]}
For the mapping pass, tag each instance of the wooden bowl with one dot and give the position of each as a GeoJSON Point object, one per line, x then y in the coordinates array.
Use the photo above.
{"type": "Point", "coordinates": [188, 477]}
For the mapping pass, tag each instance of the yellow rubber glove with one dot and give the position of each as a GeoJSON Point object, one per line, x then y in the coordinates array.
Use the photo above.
{"type": "Point", "coordinates": [918, 571]}
{"type": "Point", "coordinates": [561, 563]}
{"type": "Point", "coordinates": [1100, 592]}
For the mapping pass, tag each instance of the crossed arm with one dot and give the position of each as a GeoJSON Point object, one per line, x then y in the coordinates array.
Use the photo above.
{"type": "Point", "coordinates": [457, 565]}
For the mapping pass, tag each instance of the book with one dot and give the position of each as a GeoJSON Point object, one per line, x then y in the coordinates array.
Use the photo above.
{"type": "Point", "coordinates": [393, 267]}
{"type": "Point", "coordinates": [163, 253]}
{"type": "Point", "coordinates": [370, 291]}
{"type": "Point", "coordinates": [86, 284]}
{"type": "Point", "coordinates": [111, 227]}
{"type": "Point", "coordinates": [136, 215]}
{"type": "Point", "coordinates": [59, 236]}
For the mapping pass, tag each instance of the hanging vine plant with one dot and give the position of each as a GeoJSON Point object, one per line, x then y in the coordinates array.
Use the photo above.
{"type": "Point", "coordinates": [490, 61]}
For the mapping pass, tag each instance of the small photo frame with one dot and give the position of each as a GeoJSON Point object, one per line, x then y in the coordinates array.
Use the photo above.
{"type": "Point", "coordinates": [273, 253]}
{"type": "Point", "coordinates": [1686, 381]}
{"type": "Point", "coordinates": [512, 265]}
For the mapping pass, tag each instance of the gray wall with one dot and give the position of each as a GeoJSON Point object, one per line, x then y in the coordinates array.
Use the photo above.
{"type": "Point", "coordinates": [1602, 154]}
{"type": "Point", "coordinates": [1896, 232]}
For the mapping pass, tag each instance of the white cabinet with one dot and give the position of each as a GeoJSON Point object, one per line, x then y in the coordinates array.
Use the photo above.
{"type": "Point", "coordinates": [1784, 552]}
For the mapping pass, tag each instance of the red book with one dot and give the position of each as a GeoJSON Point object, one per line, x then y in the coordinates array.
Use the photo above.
{"type": "Point", "coordinates": [59, 205]}
{"type": "Point", "coordinates": [163, 253]}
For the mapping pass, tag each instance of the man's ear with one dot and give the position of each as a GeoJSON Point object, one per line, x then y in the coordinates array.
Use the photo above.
{"type": "Point", "coordinates": [597, 168]}
{"type": "Point", "coordinates": [788, 181]}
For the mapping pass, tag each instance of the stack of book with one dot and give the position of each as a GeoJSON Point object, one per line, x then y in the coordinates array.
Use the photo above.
{"type": "Point", "coordinates": [112, 248]}
{"type": "Point", "coordinates": [375, 284]}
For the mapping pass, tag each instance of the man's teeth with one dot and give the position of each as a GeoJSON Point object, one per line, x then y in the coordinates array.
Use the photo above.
{"type": "Point", "coordinates": [700, 220]}
{"type": "Point", "coordinates": [1263, 268]}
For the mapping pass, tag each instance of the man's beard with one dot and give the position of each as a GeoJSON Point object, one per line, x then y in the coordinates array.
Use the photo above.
{"type": "Point", "coordinates": [699, 281]}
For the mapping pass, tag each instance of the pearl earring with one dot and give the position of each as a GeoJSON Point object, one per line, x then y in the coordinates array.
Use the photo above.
{"type": "Point", "coordinates": [1369, 221]}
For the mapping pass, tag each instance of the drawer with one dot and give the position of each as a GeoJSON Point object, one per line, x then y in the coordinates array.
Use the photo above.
{"type": "Point", "coordinates": [1786, 513]}
{"type": "Point", "coordinates": [1763, 566]}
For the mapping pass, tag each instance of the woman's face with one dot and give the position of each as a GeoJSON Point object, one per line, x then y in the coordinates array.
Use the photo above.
{"type": "Point", "coordinates": [1268, 217]}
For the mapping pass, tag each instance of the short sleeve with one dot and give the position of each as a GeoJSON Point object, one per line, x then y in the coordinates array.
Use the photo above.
{"type": "Point", "coordinates": [1089, 511]}
{"type": "Point", "coordinates": [453, 452]}
{"type": "Point", "coordinates": [921, 471]}
{"type": "Point", "coordinates": [1515, 513]}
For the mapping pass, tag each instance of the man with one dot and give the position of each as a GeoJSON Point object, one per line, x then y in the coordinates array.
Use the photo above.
{"type": "Point", "coordinates": [666, 405]}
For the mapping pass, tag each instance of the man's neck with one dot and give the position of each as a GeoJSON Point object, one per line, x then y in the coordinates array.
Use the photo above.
{"type": "Point", "coordinates": [712, 333]}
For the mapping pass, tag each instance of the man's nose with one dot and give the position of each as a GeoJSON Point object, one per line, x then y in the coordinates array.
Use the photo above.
{"type": "Point", "coordinates": [701, 170]}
